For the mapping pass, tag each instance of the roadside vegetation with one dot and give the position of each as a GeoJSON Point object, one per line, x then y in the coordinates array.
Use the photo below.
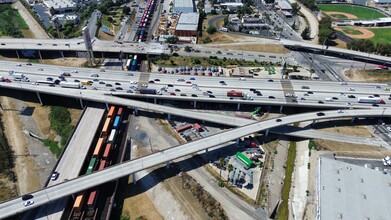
{"type": "Point", "coordinates": [7, 163]}
{"type": "Point", "coordinates": [60, 122]}
{"type": "Point", "coordinates": [11, 23]}
{"type": "Point", "coordinates": [283, 210]}
{"type": "Point", "coordinates": [368, 46]}
{"type": "Point", "coordinates": [167, 60]}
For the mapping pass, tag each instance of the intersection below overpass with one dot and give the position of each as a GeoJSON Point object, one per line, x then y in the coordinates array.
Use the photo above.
{"type": "Point", "coordinates": [73, 186]}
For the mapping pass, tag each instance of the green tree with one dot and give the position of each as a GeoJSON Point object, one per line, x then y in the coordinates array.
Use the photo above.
{"type": "Point", "coordinates": [196, 61]}
{"type": "Point", "coordinates": [52, 11]}
{"type": "Point", "coordinates": [230, 168]}
{"type": "Point", "coordinates": [306, 33]}
{"type": "Point", "coordinates": [187, 49]}
{"type": "Point", "coordinates": [125, 10]}
{"type": "Point", "coordinates": [172, 40]}
{"type": "Point", "coordinates": [295, 8]}
{"type": "Point", "coordinates": [211, 30]}
{"type": "Point", "coordinates": [110, 19]}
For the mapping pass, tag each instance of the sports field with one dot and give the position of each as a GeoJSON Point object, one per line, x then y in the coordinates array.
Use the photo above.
{"type": "Point", "coordinates": [10, 18]}
{"type": "Point", "coordinates": [358, 11]}
{"type": "Point", "coordinates": [382, 35]}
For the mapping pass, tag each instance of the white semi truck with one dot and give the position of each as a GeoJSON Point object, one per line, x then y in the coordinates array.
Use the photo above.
{"type": "Point", "coordinates": [71, 85]}
{"type": "Point", "coordinates": [370, 100]}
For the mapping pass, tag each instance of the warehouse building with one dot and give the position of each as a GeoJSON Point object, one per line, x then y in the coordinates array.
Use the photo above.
{"type": "Point", "coordinates": [184, 6]}
{"type": "Point", "coordinates": [187, 25]}
{"type": "Point", "coordinates": [60, 6]}
{"type": "Point", "coordinates": [348, 191]}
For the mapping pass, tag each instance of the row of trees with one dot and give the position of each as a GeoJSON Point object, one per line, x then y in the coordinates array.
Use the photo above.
{"type": "Point", "coordinates": [368, 46]}
{"type": "Point", "coordinates": [325, 30]}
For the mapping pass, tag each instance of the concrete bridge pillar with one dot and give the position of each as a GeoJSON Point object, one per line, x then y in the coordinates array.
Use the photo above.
{"type": "Point", "coordinates": [107, 106]}
{"type": "Point", "coordinates": [281, 107]}
{"type": "Point", "coordinates": [39, 98]}
{"type": "Point", "coordinates": [353, 118]}
{"type": "Point", "coordinates": [135, 111]}
{"type": "Point", "coordinates": [206, 152]}
{"type": "Point", "coordinates": [81, 103]}
{"type": "Point", "coordinates": [237, 141]}
{"type": "Point", "coordinates": [168, 164]}
{"type": "Point", "coordinates": [17, 54]}
{"type": "Point", "coordinates": [134, 178]}
{"type": "Point", "coordinates": [62, 54]}
{"type": "Point", "coordinates": [154, 100]}
{"type": "Point", "coordinates": [39, 54]}
{"type": "Point", "coordinates": [267, 132]}
{"type": "Point", "coordinates": [169, 116]}
{"type": "Point", "coordinates": [194, 104]}
{"type": "Point", "coordinates": [238, 107]}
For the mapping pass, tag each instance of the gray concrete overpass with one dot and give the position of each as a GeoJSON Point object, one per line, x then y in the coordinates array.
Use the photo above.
{"type": "Point", "coordinates": [53, 193]}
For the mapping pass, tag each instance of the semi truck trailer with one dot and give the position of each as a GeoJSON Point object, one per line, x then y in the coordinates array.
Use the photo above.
{"type": "Point", "coordinates": [148, 91]}
{"type": "Point", "coordinates": [71, 85]}
{"type": "Point", "coordinates": [370, 100]}
{"type": "Point", "coordinates": [233, 93]}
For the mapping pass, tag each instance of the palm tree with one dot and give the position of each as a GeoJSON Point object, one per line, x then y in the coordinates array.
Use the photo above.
{"type": "Point", "coordinates": [230, 168]}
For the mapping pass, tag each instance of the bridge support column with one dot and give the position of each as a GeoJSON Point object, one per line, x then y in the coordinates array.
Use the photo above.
{"type": "Point", "coordinates": [81, 103]}
{"type": "Point", "coordinates": [62, 54]}
{"type": "Point", "coordinates": [237, 141]}
{"type": "Point", "coordinates": [39, 54]}
{"type": "Point", "coordinates": [206, 152]}
{"type": "Point", "coordinates": [194, 104]}
{"type": "Point", "coordinates": [135, 111]}
{"type": "Point", "coordinates": [281, 107]}
{"type": "Point", "coordinates": [267, 132]}
{"type": "Point", "coordinates": [154, 100]}
{"type": "Point", "coordinates": [134, 178]}
{"type": "Point", "coordinates": [353, 118]}
{"type": "Point", "coordinates": [107, 106]}
{"type": "Point", "coordinates": [39, 97]}
{"type": "Point", "coordinates": [168, 164]}
{"type": "Point", "coordinates": [169, 116]}
{"type": "Point", "coordinates": [17, 54]}
{"type": "Point", "coordinates": [238, 107]}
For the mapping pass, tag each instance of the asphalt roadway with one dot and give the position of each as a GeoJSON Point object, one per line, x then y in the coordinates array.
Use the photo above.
{"type": "Point", "coordinates": [70, 187]}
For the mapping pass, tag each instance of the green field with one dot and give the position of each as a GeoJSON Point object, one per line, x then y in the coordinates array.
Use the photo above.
{"type": "Point", "coordinates": [341, 16]}
{"type": "Point", "coordinates": [351, 31]}
{"type": "Point", "coordinates": [382, 35]}
{"type": "Point", "coordinates": [360, 12]}
{"type": "Point", "coordinates": [10, 20]}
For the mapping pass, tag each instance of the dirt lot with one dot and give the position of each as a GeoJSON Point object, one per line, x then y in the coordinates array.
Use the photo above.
{"type": "Point", "coordinates": [28, 180]}
{"type": "Point", "coordinates": [340, 44]}
{"type": "Point", "coordinates": [78, 62]}
{"type": "Point", "coordinates": [338, 127]}
{"type": "Point", "coordinates": [259, 48]}
{"type": "Point", "coordinates": [368, 75]}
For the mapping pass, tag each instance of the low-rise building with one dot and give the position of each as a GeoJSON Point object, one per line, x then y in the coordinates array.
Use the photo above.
{"type": "Point", "coordinates": [231, 6]}
{"type": "Point", "coordinates": [184, 6]}
{"type": "Point", "coordinates": [61, 19]}
{"type": "Point", "coordinates": [283, 5]}
{"type": "Point", "coordinates": [348, 191]}
{"type": "Point", "coordinates": [187, 25]}
{"type": "Point", "coordinates": [60, 6]}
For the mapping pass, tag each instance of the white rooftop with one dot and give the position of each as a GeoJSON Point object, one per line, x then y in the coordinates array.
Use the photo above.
{"type": "Point", "coordinates": [188, 21]}
{"type": "Point", "coordinates": [348, 191]}
{"type": "Point", "coordinates": [57, 4]}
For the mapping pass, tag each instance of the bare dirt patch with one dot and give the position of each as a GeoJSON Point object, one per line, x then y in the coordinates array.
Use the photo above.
{"type": "Point", "coordinates": [41, 117]}
{"type": "Point", "coordinates": [340, 43]}
{"type": "Point", "coordinates": [103, 36]}
{"type": "Point", "coordinates": [75, 115]}
{"type": "Point", "coordinates": [360, 131]}
{"type": "Point", "coordinates": [346, 149]}
{"type": "Point", "coordinates": [270, 48]}
{"type": "Point", "coordinates": [365, 33]}
{"type": "Point", "coordinates": [25, 166]}
{"type": "Point", "coordinates": [349, 16]}
{"type": "Point", "coordinates": [77, 62]}
{"type": "Point", "coordinates": [368, 75]}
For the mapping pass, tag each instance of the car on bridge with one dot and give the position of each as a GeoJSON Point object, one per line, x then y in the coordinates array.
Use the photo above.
{"type": "Point", "coordinates": [27, 197]}
{"type": "Point", "coordinates": [320, 114]}
{"type": "Point", "coordinates": [28, 203]}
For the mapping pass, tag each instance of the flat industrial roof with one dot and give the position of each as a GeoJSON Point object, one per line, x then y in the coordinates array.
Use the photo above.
{"type": "Point", "coordinates": [347, 191]}
{"type": "Point", "coordinates": [188, 21]}
{"type": "Point", "coordinates": [183, 4]}
{"type": "Point", "coordinates": [284, 5]}
{"type": "Point", "coordinates": [57, 4]}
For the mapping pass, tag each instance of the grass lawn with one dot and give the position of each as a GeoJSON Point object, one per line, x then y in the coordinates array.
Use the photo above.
{"type": "Point", "coordinates": [338, 16]}
{"type": "Point", "coordinates": [10, 16]}
{"type": "Point", "coordinates": [360, 12]}
{"type": "Point", "coordinates": [382, 35]}
{"type": "Point", "coordinates": [351, 31]}
{"type": "Point", "coordinates": [283, 211]}
{"type": "Point", "coordinates": [115, 24]}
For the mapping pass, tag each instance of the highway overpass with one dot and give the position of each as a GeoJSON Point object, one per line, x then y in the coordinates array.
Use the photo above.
{"type": "Point", "coordinates": [53, 193]}
{"type": "Point", "coordinates": [156, 48]}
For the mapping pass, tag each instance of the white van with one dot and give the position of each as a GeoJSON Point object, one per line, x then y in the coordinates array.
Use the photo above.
{"type": "Point", "coordinates": [329, 99]}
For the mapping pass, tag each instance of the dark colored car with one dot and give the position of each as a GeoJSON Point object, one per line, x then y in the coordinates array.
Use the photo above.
{"type": "Point", "coordinates": [27, 197]}
{"type": "Point", "coordinates": [278, 120]}
{"type": "Point", "coordinates": [351, 96]}
{"type": "Point", "coordinates": [194, 95]}
{"type": "Point", "coordinates": [320, 114]}
{"type": "Point", "coordinates": [272, 97]}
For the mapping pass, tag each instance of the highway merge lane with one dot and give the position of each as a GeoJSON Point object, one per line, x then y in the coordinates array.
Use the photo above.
{"type": "Point", "coordinates": [53, 193]}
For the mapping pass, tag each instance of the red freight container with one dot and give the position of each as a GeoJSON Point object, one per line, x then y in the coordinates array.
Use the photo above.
{"type": "Point", "coordinates": [92, 199]}
{"type": "Point", "coordinates": [102, 165]}
{"type": "Point", "coordinates": [183, 128]}
{"type": "Point", "coordinates": [98, 147]}
{"type": "Point", "coordinates": [106, 127]}
{"type": "Point", "coordinates": [107, 151]}
{"type": "Point", "coordinates": [235, 93]}
{"type": "Point", "coordinates": [120, 110]}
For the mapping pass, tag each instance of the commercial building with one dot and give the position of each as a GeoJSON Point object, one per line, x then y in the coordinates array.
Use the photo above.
{"type": "Point", "coordinates": [285, 6]}
{"type": "Point", "coordinates": [184, 6]}
{"type": "Point", "coordinates": [348, 191]}
{"type": "Point", "coordinates": [360, 2]}
{"type": "Point", "coordinates": [187, 25]}
{"type": "Point", "coordinates": [231, 6]}
{"type": "Point", "coordinates": [63, 18]}
{"type": "Point", "coordinates": [60, 6]}
{"type": "Point", "coordinates": [380, 22]}
{"type": "Point", "coordinates": [382, 1]}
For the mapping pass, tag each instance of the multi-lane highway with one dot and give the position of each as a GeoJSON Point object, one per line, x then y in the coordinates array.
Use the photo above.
{"type": "Point", "coordinates": [50, 194]}
{"type": "Point", "coordinates": [195, 88]}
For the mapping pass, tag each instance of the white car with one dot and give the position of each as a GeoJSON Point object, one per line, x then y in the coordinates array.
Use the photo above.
{"type": "Point", "coordinates": [28, 203]}
{"type": "Point", "coordinates": [18, 64]}
{"type": "Point", "coordinates": [74, 71]}
{"type": "Point", "coordinates": [389, 129]}
{"type": "Point", "coordinates": [133, 82]}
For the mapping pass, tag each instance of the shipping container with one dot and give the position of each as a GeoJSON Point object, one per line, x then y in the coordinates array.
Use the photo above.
{"type": "Point", "coordinates": [116, 122]}
{"type": "Point", "coordinates": [102, 165]}
{"type": "Point", "coordinates": [98, 147]}
{"type": "Point", "coordinates": [184, 128]}
{"type": "Point", "coordinates": [111, 112]}
{"type": "Point", "coordinates": [247, 162]}
{"type": "Point", "coordinates": [120, 111]}
{"type": "Point", "coordinates": [91, 165]}
{"type": "Point", "coordinates": [79, 202]}
{"type": "Point", "coordinates": [106, 154]}
{"type": "Point", "coordinates": [92, 199]}
{"type": "Point", "coordinates": [148, 91]}
{"type": "Point", "coordinates": [106, 127]}
{"type": "Point", "coordinates": [113, 133]}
